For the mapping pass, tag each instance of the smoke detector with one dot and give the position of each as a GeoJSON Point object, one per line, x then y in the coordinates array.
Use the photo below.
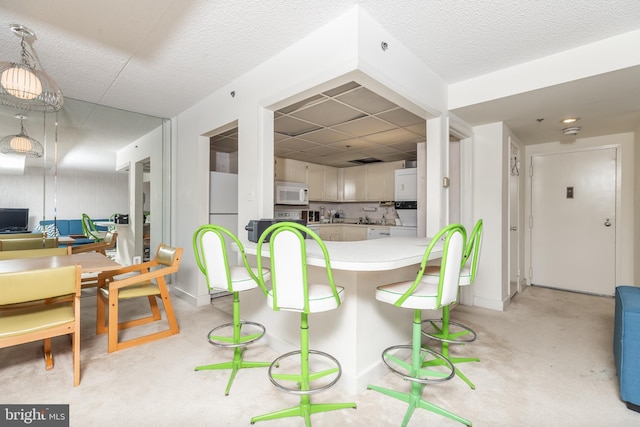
{"type": "Point", "coordinates": [572, 130]}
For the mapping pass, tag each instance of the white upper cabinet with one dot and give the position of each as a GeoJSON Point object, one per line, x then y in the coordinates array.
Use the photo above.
{"type": "Point", "coordinates": [354, 184]}
{"type": "Point", "coordinates": [323, 182]}
{"type": "Point", "coordinates": [380, 179]}
{"type": "Point", "coordinates": [406, 185]}
{"type": "Point", "coordinates": [290, 170]}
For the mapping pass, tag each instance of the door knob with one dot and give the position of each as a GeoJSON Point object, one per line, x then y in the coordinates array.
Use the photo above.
{"type": "Point", "coordinates": [607, 223]}
{"type": "Point", "coordinates": [514, 228]}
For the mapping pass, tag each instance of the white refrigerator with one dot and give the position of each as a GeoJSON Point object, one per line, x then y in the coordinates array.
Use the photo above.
{"type": "Point", "coordinates": [223, 204]}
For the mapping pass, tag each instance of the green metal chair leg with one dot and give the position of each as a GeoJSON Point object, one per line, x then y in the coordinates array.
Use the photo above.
{"type": "Point", "coordinates": [303, 379]}
{"type": "Point", "coordinates": [238, 343]}
{"type": "Point", "coordinates": [444, 333]}
{"type": "Point", "coordinates": [414, 397]}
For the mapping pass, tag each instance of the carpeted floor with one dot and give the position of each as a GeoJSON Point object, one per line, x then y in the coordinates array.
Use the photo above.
{"type": "Point", "coordinates": [546, 361]}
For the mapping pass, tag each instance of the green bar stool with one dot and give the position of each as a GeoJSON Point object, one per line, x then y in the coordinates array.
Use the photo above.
{"type": "Point", "coordinates": [291, 291]}
{"type": "Point", "coordinates": [445, 330]}
{"type": "Point", "coordinates": [407, 361]}
{"type": "Point", "coordinates": [209, 246]}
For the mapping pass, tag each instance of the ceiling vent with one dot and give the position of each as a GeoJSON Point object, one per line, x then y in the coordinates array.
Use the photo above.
{"type": "Point", "coordinates": [365, 161]}
{"type": "Point", "coordinates": [572, 130]}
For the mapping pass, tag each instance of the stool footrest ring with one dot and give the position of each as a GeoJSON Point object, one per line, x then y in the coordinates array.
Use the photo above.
{"type": "Point", "coordinates": [312, 375]}
{"type": "Point", "coordinates": [230, 341]}
{"type": "Point", "coordinates": [452, 337]}
{"type": "Point", "coordinates": [418, 374]}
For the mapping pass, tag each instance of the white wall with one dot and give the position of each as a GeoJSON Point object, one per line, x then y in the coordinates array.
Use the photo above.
{"type": "Point", "coordinates": [99, 195]}
{"type": "Point", "coordinates": [625, 221]}
{"type": "Point", "coordinates": [334, 54]}
{"type": "Point", "coordinates": [490, 203]}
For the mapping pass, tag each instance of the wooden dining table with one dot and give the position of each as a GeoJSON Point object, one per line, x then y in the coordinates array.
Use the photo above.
{"type": "Point", "coordinates": [89, 262]}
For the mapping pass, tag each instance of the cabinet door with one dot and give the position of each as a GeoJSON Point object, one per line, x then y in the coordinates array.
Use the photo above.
{"type": "Point", "coordinates": [406, 185]}
{"type": "Point", "coordinates": [315, 181]}
{"type": "Point", "coordinates": [290, 170]}
{"type": "Point", "coordinates": [354, 183]}
{"type": "Point", "coordinates": [330, 183]}
{"type": "Point", "coordinates": [352, 233]}
{"type": "Point", "coordinates": [376, 180]}
{"type": "Point", "coordinates": [331, 232]}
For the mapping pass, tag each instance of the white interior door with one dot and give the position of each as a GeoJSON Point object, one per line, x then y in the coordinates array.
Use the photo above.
{"type": "Point", "coordinates": [573, 199]}
{"type": "Point", "coordinates": [514, 215]}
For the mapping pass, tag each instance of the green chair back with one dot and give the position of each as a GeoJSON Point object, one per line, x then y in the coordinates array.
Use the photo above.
{"type": "Point", "coordinates": [453, 237]}
{"type": "Point", "coordinates": [472, 251]}
{"type": "Point", "coordinates": [288, 260]}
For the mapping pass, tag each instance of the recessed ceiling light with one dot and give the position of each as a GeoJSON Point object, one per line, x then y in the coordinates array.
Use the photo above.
{"type": "Point", "coordinates": [570, 120]}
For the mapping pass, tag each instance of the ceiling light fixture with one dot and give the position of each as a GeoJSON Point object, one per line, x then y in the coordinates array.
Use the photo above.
{"type": "Point", "coordinates": [572, 130]}
{"type": "Point", "coordinates": [569, 120]}
{"type": "Point", "coordinates": [22, 85]}
{"type": "Point", "coordinates": [21, 144]}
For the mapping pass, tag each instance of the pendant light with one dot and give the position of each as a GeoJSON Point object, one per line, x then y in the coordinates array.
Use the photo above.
{"type": "Point", "coordinates": [21, 144]}
{"type": "Point", "coordinates": [23, 86]}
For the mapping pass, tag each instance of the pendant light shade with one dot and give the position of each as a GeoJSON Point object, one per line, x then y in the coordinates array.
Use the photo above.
{"type": "Point", "coordinates": [21, 144]}
{"type": "Point", "coordinates": [23, 86]}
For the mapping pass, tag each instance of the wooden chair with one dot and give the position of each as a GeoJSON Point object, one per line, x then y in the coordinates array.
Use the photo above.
{"type": "Point", "coordinates": [140, 280]}
{"type": "Point", "coordinates": [103, 246]}
{"type": "Point", "coordinates": [39, 305]}
{"type": "Point", "coordinates": [7, 236]}
{"type": "Point", "coordinates": [28, 243]}
{"type": "Point", "coordinates": [32, 253]}
{"type": "Point", "coordinates": [90, 280]}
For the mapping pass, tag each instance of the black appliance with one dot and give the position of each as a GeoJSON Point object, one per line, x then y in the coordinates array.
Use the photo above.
{"type": "Point", "coordinates": [121, 219]}
{"type": "Point", "coordinates": [256, 227]}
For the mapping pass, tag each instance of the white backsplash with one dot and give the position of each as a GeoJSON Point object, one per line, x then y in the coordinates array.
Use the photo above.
{"type": "Point", "coordinates": [354, 211]}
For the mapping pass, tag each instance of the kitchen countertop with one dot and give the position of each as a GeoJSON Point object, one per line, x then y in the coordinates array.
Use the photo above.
{"type": "Point", "coordinates": [358, 331]}
{"type": "Point", "coordinates": [365, 255]}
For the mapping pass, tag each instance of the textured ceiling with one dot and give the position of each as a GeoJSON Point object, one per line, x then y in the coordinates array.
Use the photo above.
{"type": "Point", "coordinates": [173, 53]}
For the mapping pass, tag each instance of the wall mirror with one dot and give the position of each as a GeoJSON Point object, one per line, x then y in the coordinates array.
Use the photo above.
{"type": "Point", "coordinates": [81, 171]}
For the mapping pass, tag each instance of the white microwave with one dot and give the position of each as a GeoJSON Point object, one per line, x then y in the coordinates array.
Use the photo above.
{"type": "Point", "coordinates": [291, 193]}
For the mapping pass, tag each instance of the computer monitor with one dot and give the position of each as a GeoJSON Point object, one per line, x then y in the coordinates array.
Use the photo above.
{"type": "Point", "coordinates": [14, 219]}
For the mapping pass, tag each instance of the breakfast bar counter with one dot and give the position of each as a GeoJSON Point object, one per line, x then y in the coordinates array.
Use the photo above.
{"type": "Point", "coordinates": [358, 331]}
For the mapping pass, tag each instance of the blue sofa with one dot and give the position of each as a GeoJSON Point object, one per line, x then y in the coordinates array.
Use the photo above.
{"type": "Point", "coordinates": [68, 227]}
{"type": "Point", "coordinates": [626, 344]}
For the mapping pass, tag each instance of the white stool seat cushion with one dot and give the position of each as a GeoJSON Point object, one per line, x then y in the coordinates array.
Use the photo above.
{"type": "Point", "coordinates": [320, 298]}
{"type": "Point", "coordinates": [424, 297]}
{"type": "Point", "coordinates": [241, 280]}
{"type": "Point", "coordinates": [432, 275]}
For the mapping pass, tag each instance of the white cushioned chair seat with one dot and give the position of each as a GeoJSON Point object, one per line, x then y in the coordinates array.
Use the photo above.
{"type": "Point", "coordinates": [432, 275]}
{"type": "Point", "coordinates": [320, 298]}
{"type": "Point", "coordinates": [143, 289]}
{"type": "Point", "coordinates": [423, 297]}
{"type": "Point", "coordinates": [241, 279]}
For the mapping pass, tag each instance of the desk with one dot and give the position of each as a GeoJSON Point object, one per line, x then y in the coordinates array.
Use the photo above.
{"type": "Point", "coordinates": [90, 262]}
{"type": "Point", "coordinates": [358, 331]}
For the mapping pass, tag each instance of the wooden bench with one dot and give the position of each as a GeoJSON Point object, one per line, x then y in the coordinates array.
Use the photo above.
{"type": "Point", "coordinates": [27, 243]}
{"type": "Point", "coordinates": [32, 253]}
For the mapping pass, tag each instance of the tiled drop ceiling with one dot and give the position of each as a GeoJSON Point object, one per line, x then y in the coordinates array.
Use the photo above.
{"type": "Point", "coordinates": [342, 127]}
